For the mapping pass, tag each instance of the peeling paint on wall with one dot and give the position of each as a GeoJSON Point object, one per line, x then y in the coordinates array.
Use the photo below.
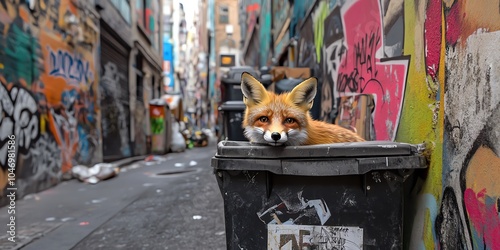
{"type": "Point", "coordinates": [432, 67]}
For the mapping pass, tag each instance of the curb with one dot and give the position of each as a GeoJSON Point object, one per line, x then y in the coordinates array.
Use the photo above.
{"type": "Point", "coordinates": [127, 161]}
{"type": "Point", "coordinates": [124, 162]}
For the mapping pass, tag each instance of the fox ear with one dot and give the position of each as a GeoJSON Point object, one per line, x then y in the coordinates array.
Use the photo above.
{"type": "Point", "coordinates": [303, 94]}
{"type": "Point", "coordinates": [253, 91]}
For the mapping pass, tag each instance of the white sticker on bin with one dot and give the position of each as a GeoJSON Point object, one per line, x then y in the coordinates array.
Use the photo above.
{"type": "Point", "coordinates": [313, 237]}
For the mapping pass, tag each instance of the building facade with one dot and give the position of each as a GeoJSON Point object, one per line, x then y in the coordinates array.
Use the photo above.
{"type": "Point", "coordinates": [227, 33]}
{"type": "Point", "coordinates": [76, 76]}
{"type": "Point", "coordinates": [224, 35]}
{"type": "Point", "coordinates": [131, 73]}
{"type": "Point", "coordinates": [49, 92]}
{"type": "Point", "coordinates": [187, 36]}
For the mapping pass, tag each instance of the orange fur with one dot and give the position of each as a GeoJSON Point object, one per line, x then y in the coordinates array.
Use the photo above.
{"type": "Point", "coordinates": [287, 114]}
{"type": "Point", "coordinates": [323, 133]}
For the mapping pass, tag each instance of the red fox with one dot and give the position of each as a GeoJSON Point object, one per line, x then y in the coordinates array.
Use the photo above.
{"type": "Point", "coordinates": [284, 119]}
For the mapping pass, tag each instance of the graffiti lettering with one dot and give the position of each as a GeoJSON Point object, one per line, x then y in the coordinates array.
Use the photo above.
{"type": "Point", "coordinates": [48, 158]}
{"type": "Point", "coordinates": [25, 116]}
{"type": "Point", "coordinates": [47, 90]}
{"type": "Point", "coordinates": [42, 165]}
{"type": "Point", "coordinates": [70, 67]}
{"type": "Point", "coordinates": [364, 71]}
{"type": "Point", "coordinates": [19, 117]}
{"type": "Point", "coordinates": [71, 123]}
{"type": "Point", "coordinates": [365, 51]}
{"type": "Point", "coordinates": [66, 132]}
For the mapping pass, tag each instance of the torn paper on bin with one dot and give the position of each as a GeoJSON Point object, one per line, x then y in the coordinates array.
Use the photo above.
{"type": "Point", "coordinates": [313, 237]}
{"type": "Point", "coordinates": [281, 214]}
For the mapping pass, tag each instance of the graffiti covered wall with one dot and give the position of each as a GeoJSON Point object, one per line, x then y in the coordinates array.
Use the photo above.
{"type": "Point", "coordinates": [265, 29]}
{"type": "Point", "coordinates": [471, 145]}
{"type": "Point", "coordinates": [48, 92]}
{"type": "Point", "coordinates": [432, 70]}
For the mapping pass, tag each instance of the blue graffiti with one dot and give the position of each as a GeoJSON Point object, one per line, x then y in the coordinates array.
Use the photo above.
{"type": "Point", "coordinates": [90, 115]}
{"type": "Point", "coordinates": [69, 97]}
{"type": "Point", "coordinates": [69, 66]}
{"type": "Point", "coordinates": [83, 144]}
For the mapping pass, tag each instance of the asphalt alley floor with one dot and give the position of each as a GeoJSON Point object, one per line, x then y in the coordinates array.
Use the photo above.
{"type": "Point", "coordinates": [173, 203]}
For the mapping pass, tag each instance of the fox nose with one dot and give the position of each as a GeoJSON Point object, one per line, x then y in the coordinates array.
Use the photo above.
{"type": "Point", "coordinates": [275, 136]}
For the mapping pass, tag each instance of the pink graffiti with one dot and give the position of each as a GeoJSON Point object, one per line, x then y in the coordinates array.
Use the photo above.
{"type": "Point", "coordinates": [453, 24]}
{"type": "Point", "coordinates": [362, 70]}
{"type": "Point", "coordinates": [485, 223]}
{"type": "Point", "coordinates": [432, 36]}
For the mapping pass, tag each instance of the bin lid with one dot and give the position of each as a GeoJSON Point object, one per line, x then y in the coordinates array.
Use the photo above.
{"type": "Point", "coordinates": [324, 159]}
{"type": "Point", "coordinates": [172, 100]}
{"type": "Point", "coordinates": [286, 85]}
{"type": "Point", "coordinates": [158, 102]}
{"type": "Point", "coordinates": [232, 106]}
{"type": "Point", "coordinates": [233, 76]}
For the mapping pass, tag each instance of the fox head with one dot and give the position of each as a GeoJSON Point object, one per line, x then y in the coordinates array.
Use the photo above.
{"type": "Point", "coordinates": [277, 119]}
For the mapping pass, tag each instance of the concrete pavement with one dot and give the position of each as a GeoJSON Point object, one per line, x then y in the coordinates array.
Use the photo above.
{"type": "Point", "coordinates": [172, 204]}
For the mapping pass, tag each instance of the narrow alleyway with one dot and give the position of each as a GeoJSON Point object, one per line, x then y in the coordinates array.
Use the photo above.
{"type": "Point", "coordinates": [171, 204]}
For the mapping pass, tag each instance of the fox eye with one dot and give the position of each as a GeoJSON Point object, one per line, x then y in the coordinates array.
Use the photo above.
{"type": "Point", "coordinates": [263, 119]}
{"type": "Point", "coordinates": [289, 120]}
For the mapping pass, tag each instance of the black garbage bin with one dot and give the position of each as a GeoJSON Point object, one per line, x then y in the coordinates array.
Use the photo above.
{"type": "Point", "coordinates": [332, 196]}
{"type": "Point", "coordinates": [287, 84]}
{"type": "Point", "coordinates": [231, 83]}
{"type": "Point", "coordinates": [232, 116]}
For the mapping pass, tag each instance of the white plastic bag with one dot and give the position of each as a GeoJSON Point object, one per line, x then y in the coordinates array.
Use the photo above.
{"type": "Point", "coordinates": [178, 142]}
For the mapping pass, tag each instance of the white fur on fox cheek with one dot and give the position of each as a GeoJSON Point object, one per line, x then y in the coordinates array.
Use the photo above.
{"type": "Point", "coordinates": [254, 134]}
{"type": "Point", "coordinates": [296, 137]}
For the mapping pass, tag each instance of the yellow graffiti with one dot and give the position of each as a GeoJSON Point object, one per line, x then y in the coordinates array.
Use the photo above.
{"type": "Point", "coordinates": [319, 18]}
{"type": "Point", "coordinates": [422, 117]}
{"type": "Point", "coordinates": [484, 172]}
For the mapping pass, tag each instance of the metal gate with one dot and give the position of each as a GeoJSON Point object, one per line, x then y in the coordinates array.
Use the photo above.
{"type": "Point", "coordinates": [114, 93]}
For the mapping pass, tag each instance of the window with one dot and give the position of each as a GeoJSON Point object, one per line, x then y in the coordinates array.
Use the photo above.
{"type": "Point", "coordinates": [124, 8]}
{"type": "Point", "coordinates": [158, 89]}
{"type": "Point", "coordinates": [223, 14]}
{"type": "Point", "coordinates": [148, 19]}
{"type": "Point", "coordinates": [153, 88]}
{"type": "Point", "coordinates": [139, 11]}
{"type": "Point", "coordinates": [139, 88]}
{"type": "Point", "coordinates": [227, 60]}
